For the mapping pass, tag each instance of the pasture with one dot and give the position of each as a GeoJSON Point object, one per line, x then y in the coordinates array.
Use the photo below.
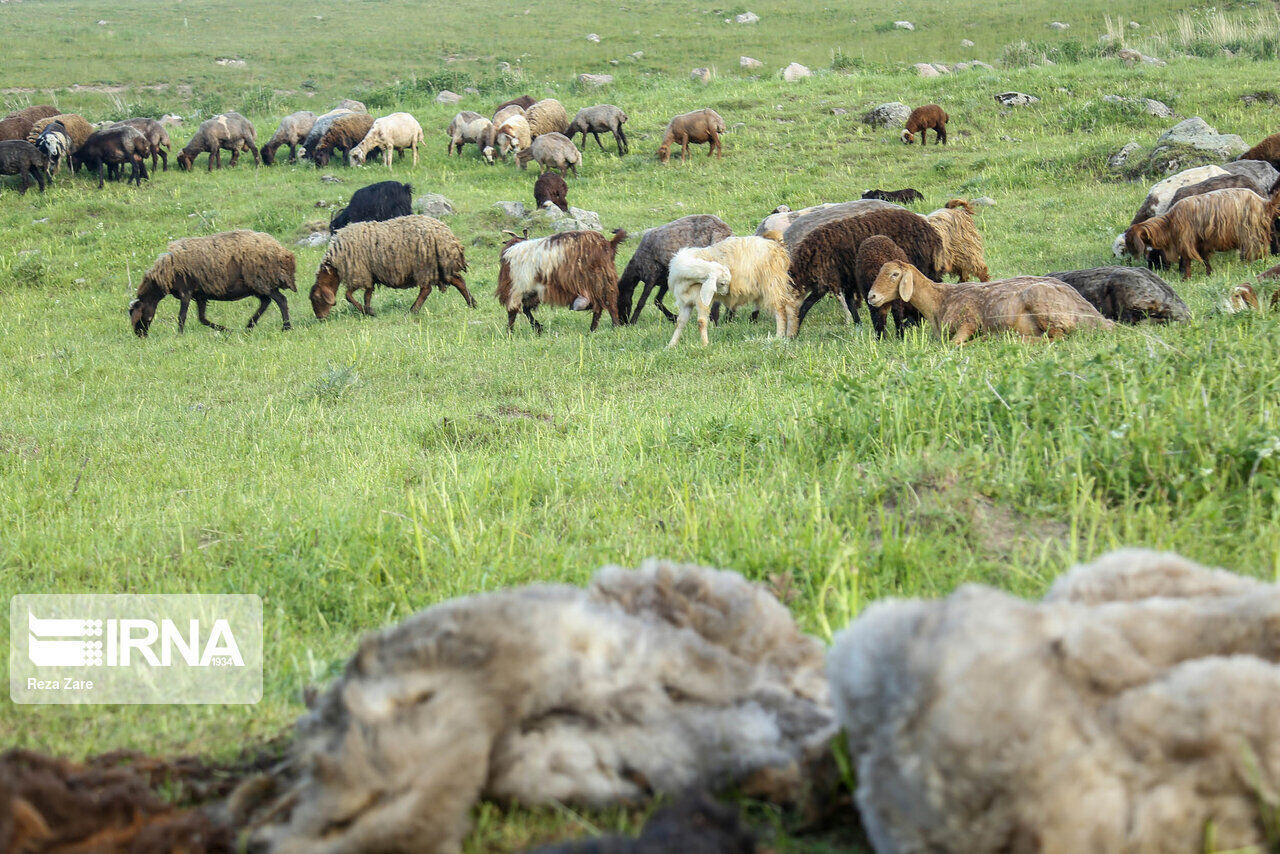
{"type": "Point", "coordinates": [354, 471]}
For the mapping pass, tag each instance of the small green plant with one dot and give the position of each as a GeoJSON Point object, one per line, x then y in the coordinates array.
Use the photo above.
{"type": "Point", "coordinates": [259, 101]}
{"type": "Point", "coordinates": [841, 61]}
{"type": "Point", "coordinates": [335, 382]}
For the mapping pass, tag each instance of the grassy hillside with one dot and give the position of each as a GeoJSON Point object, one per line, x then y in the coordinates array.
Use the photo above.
{"type": "Point", "coordinates": [354, 471]}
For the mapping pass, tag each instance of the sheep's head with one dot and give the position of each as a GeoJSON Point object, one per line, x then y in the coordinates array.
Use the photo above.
{"type": "Point", "coordinates": [140, 315]}
{"type": "Point", "coordinates": [896, 280]}
{"type": "Point", "coordinates": [268, 154]}
{"type": "Point", "coordinates": [488, 153]}
{"type": "Point", "coordinates": [185, 160]}
{"type": "Point", "coordinates": [322, 156]}
{"type": "Point", "coordinates": [664, 152]}
{"type": "Point", "coordinates": [324, 293]}
{"type": "Point", "coordinates": [1137, 240]}
{"type": "Point", "coordinates": [908, 137]}
{"type": "Point", "coordinates": [358, 156]}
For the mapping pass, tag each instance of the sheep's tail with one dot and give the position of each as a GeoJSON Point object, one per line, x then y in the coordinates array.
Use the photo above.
{"type": "Point", "coordinates": [619, 235]}
{"type": "Point", "coordinates": [961, 203]}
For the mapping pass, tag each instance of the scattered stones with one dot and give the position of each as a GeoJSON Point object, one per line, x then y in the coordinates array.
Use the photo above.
{"type": "Point", "coordinates": [1117, 161]}
{"type": "Point", "coordinates": [471, 90]}
{"type": "Point", "coordinates": [614, 62]}
{"type": "Point", "coordinates": [940, 68]}
{"type": "Point", "coordinates": [594, 81]}
{"type": "Point", "coordinates": [1015, 99]}
{"type": "Point", "coordinates": [748, 62]}
{"type": "Point", "coordinates": [447, 97]}
{"type": "Point", "coordinates": [230, 63]}
{"type": "Point", "coordinates": [1266, 98]}
{"type": "Point", "coordinates": [701, 75]}
{"type": "Point", "coordinates": [592, 37]}
{"type": "Point", "coordinates": [433, 204]}
{"type": "Point", "coordinates": [977, 63]}
{"type": "Point", "coordinates": [515, 210]}
{"type": "Point", "coordinates": [924, 69]}
{"type": "Point", "coordinates": [795, 71]}
{"type": "Point", "coordinates": [638, 55]}
{"type": "Point", "coordinates": [747, 18]}
{"type": "Point", "coordinates": [314, 239]}
{"type": "Point", "coordinates": [332, 179]}
{"type": "Point", "coordinates": [582, 219]}
{"type": "Point", "coordinates": [1132, 57]}
{"type": "Point", "coordinates": [171, 120]}
{"type": "Point", "coordinates": [903, 25]}
{"type": "Point", "coordinates": [1059, 25]}
{"type": "Point", "coordinates": [966, 43]}
{"type": "Point", "coordinates": [892, 114]}
{"type": "Point", "coordinates": [1133, 25]}
{"type": "Point", "coordinates": [839, 111]}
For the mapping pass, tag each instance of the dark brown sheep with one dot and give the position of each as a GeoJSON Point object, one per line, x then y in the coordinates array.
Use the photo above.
{"type": "Point", "coordinates": [653, 258]}
{"type": "Point", "coordinates": [1127, 294]}
{"type": "Point", "coordinates": [930, 117]}
{"type": "Point", "coordinates": [35, 112]}
{"type": "Point", "coordinates": [874, 253]}
{"type": "Point", "coordinates": [900, 197]}
{"type": "Point", "coordinates": [157, 138]}
{"type": "Point", "coordinates": [15, 127]}
{"type": "Point", "coordinates": [19, 157]}
{"type": "Point", "coordinates": [112, 148]}
{"type": "Point", "coordinates": [824, 262]}
{"type": "Point", "coordinates": [524, 102]}
{"type": "Point", "coordinates": [698, 126]}
{"type": "Point", "coordinates": [231, 131]}
{"type": "Point", "coordinates": [551, 187]}
{"type": "Point", "coordinates": [343, 135]}
{"type": "Point", "coordinates": [1268, 150]}
{"type": "Point", "coordinates": [573, 269]}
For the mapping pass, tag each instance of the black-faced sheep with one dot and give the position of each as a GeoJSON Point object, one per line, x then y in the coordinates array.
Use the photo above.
{"type": "Point", "coordinates": [962, 251]}
{"type": "Point", "coordinates": [157, 139]}
{"type": "Point", "coordinates": [602, 118]}
{"type": "Point", "coordinates": [546, 116]}
{"type": "Point", "coordinates": [1198, 226]}
{"type": "Point", "coordinates": [375, 203]}
{"type": "Point", "coordinates": [323, 123]}
{"type": "Point", "coordinates": [552, 151]}
{"type": "Point", "coordinates": [396, 132]}
{"type": "Point", "coordinates": [54, 143]}
{"type": "Point", "coordinates": [407, 252]}
{"type": "Point", "coordinates": [19, 157]}
{"type": "Point", "coordinates": [468, 127]}
{"type": "Point", "coordinates": [343, 135]}
{"type": "Point", "coordinates": [901, 197]}
{"type": "Point", "coordinates": [697, 127]}
{"type": "Point", "coordinates": [114, 147]}
{"type": "Point", "coordinates": [230, 131]}
{"type": "Point", "coordinates": [652, 259]}
{"type": "Point", "coordinates": [227, 266]}
{"type": "Point", "coordinates": [733, 272]}
{"type": "Point", "coordinates": [572, 269]}
{"type": "Point", "coordinates": [1268, 151]}
{"type": "Point", "coordinates": [292, 132]}
{"type": "Point", "coordinates": [930, 117]}
{"type": "Point", "coordinates": [694, 824]}
{"type": "Point", "coordinates": [524, 102]}
{"type": "Point", "coordinates": [1127, 294]}
{"type": "Point", "coordinates": [872, 255]}
{"type": "Point", "coordinates": [551, 187]}
{"type": "Point", "coordinates": [1031, 306]}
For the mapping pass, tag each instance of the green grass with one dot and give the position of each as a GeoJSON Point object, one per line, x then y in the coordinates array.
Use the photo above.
{"type": "Point", "coordinates": [354, 471]}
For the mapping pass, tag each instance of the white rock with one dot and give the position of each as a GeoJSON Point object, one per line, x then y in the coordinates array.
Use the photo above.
{"type": "Point", "coordinates": [1015, 99]}
{"type": "Point", "coordinates": [515, 210]}
{"type": "Point", "coordinates": [940, 68]}
{"type": "Point", "coordinates": [594, 81]}
{"type": "Point", "coordinates": [447, 97]}
{"type": "Point", "coordinates": [592, 37]}
{"type": "Point", "coordinates": [983, 202]}
{"type": "Point", "coordinates": [432, 204]}
{"type": "Point", "coordinates": [231, 63]}
{"type": "Point", "coordinates": [924, 69]}
{"type": "Point", "coordinates": [1133, 25]}
{"type": "Point", "coordinates": [892, 114]}
{"type": "Point", "coordinates": [1058, 25]}
{"type": "Point", "coordinates": [795, 71]}
{"type": "Point", "coordinates": [315, 238]}
{"type": "Point", "coordinates": [747, 18]}
{"type": "Point", "coordinates": [904, 25]}
{"type": "Point", "coordinates": [638, 55]}
{"type": "Point", "coordinates": [748, 62]}
{"type": "Point", "coordinates": [966, 43]}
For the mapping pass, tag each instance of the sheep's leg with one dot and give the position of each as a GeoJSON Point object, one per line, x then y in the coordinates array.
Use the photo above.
{"type": "Point", "coordinates": [368, 302]}
{"type": "Point", "coordinates": [716, 148]}
{"type": "Point", "coordinates": [512, 314]}
{"type": "Point", "coordinates": [597, 136]}
{"type": "Point", "coordinates": [351, 299]}
{"type": "Point", "coordinates": [40, 178]}
{"type": "Point", "coordinates": [235, 156]}
{"type": "Point", "coordinates": [293, 153]}
{"type": "Point", "coordinates": [844, 304]}
{"type": "Point", "coordinates": [537, 327]}
{"type": "Point", "coordinates": [964, 332]}
{"type": "Point", "coordinates": [595, 318]}
{"type": "Point", "coordinates": [263, 302]}
{"type": "Point", "coordinates": [182, 311]}
{"type": "Point", "coordinates": [658, 304]}
{"type": "Point", "coordinates": [1185, 263]}
{"type": "Point", "coordinates": [880, 319]}
{"type": "Point", "coordinates": [202, 308]}
{"type": "Point", "coordinates": [283, 305]}
{"type": "Point", "coordinates": [461, 284]}
{"type": "Point", "coordinates": [644, 296]}
{"type": "Point", "coordinates": [780, 322]}
{"type": "Point", "coordinates": [704, 318]}
{"type": "Point", "coordinates": [422, 297]}
{"type": "Point", "coordinates": [415, 154]}
{"type": "Point", "coordinates": [685, 311]}
{"type": "Point", "coordinates": [684, 149]}
{"type": "Point", "coordinates": [809, 301]}
{"type": "Point", "coordinates": [621, 139]}
{"type": "Point", "coordinates": [942, 134]}
{"type": "Point", "coordinates": [101, 179]}
{"type": "Point", "coordinates": [26, 182]}
{"type": "Point", "coordinates": [215, 156]}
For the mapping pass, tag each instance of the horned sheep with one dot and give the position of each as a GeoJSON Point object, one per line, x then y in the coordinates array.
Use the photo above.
{"type": "Point", "coordinates": [572, 269]}
{"type": "Point", "coordinates": [652, 259]}
{"type": "Point", "coordinates": [602, 118]}
{"type": "Point", "coordinates": [396, 132]}
{"type": "Point", "coordinates": [552, 151]}
{"type": "Point", "coordinates": [230, 131]}
{"type": "Point", "coordinates": [1198, 226]}
{"type": "Point", "coordinates": [697, 127]}
{"type": "Point", "coordinates": [292, 132]}
{"type": "Point", "coordinates": [733, 272]}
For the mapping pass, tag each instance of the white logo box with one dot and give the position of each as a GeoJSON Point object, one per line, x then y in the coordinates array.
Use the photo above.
{"type": "Point", "coordinates": [135, 648]}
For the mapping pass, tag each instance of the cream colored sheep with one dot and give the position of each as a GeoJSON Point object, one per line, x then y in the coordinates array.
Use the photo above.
{"type": "Point", "coordinates": [733, 272]}
{"type": "Point", "coordinates": [547, 116]}
{"type": "Point", "coordinates": [397, 132]}
{"type": "Point", "coordinates": [468, 126]}
{"type": "Point", "coordinates": [511, 136]}
{"type": "Point", "coordinates": [962, 252]}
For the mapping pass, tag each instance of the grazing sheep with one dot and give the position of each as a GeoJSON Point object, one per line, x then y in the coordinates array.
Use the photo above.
{"type": "Point", "coordinates": [697, 127]}
{"type": "Point", "coordinates": [227, 266]}
{"type": "Point", "coordinates": [694, 824]}
{"type": "Point", "coordinates": [573, 269]}
{"type": "Point", "coordinates": [901, 197]}
{"type": "Point", "coordinates": [512, 135]}
{"type": "Point", "coordinates": [962, 252]}
{"type": "Point", "coordinates": [824, 261]}
{"type": "Point", "coordinates": [468, 126]}
{"type": "Point", "coordinates": [873, 253]}
{"type": "Point", "coordinates": [292, 132]}
{"type": "Point", "coordinates": [524, 102]}
{"type": "Point", "coordinates": [111, 148]}
{"type": "Point", "coordinates": [1198, 226]}
{"type": "Point", "coordinates": [1267, 151]}
{"type": "Point", "coordinates": [157, 139]}
{"type": "Point", "coordinates": [19, 157]}
{"type": "Point", "coordinates": [1264, 175]}
{"type": "Point", "coordinates": [323, 123]}
{"type": "Point", "coordinates": [375, 203]}
{"type": "Point", "coordinates": [1133, 710]}
{"type": "Point", "coordinates": [505, 112]}
{"type": "Point", "coordinates": [230, 131]}
{"type": "Point", "coordinates": [1032, 306]}
{"type": "Point", "coordinates": [15, 127]}
{"type": "Point", "coordinates": [552, 151]}
{"type": "Point", "coordinates": [1127, 294]}
{"type": "Point", "coordinates": [550, 187]}
{"type": "Point", "coordinates": [602, 118]}
{"type": "Point", "coordinates": [398, 131]}
{"type": "Point", "coordinates": [406, 252]}
{"type": "Point", "coordinates": [733, 272]}
{"type": "Point", "coordinates": [666, 679]}
{"type": "Point", "coordinates": [1242, 298]}
{"type": "Point", "coordinates": [343, 135]}
{"type": "Point", "coordinates": [796, 225]}
{"type": "Point", "coordinates": [930, 117]}
{"type": "Point", "coordinates": [546, 116]}
{"type": "Point", "coordinates": [1160, 196]}
{"type": "Point", "coordinates": [1222, 182]}
{"type": "Point", "coordinates": [652, 259]}
{"type": "Point", "coordinates": [76, 127]}
{"type": "Point", "coordinates": [54, 143]}
{"type": "Point", "coordinates": [35, 112]}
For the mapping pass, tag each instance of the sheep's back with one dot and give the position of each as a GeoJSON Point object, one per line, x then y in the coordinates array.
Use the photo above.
{"type": "Point", "coordinates": [547, 116]}
{"type": "Point", "coordinates": [223, 262]}
{"type": "Point", "coordinates": [77, 127]}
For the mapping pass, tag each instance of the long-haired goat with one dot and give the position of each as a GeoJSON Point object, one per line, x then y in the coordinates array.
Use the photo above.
{"type": "Point", "coordinates": [962, 253]}
{"type": "Point", "coordinates": [733, 272]}
{"type": "Point", "coordinates": [1198, 226]}
{"type": "Point", "coordinates": [573, 269]}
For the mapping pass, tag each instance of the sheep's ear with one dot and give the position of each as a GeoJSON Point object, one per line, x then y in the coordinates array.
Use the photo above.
{"type": "Point", "coordinates": [906, 286]}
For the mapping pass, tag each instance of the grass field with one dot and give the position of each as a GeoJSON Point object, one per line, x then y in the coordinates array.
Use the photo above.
{"type": "Point", "coordinates": [355, 471]}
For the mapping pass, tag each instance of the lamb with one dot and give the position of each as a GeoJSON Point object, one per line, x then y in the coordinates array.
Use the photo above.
{"type": "Point", "coordinates": [664, 679]}
{"type": "Point", "coordinates": [111, 148]}
{"type": "Point", "coordinates": [693, 824]}
{"type": "Point", "coordinates": [227, 266]}
{"type": "Point", "coordinates": [157, 139]}
{"type": "Point", "coordinates": [406, 252]}
{"type": "Point", "coordinates": [1242, 298]}
{"type": "Point", "coordinates": [55, 145]}
{"type": "Point", "coordinates": [602, 118]}
{"type": "Point", "coordinates": [734, 271]}
{"type": "Point", "coordinates": [1198, 226]}
{"type": "Point", "coordinates": [375, 203]}
{"type": "Point", "coordinates": [19, 157]}
{"type": "Point", "coordinates": [468, 126]}
{"type": "Point", "coordinates": [550, 187]}
{"type": "Point", "coordinates": [1130, 711]}
{"type": "Point", "coordinates": [343, 135]}
{"type": "Point", "coordinates": [546, 116]}
{"type": "Point", "coordinates": [397, 132]}
{"type": "Point", "coordinates": [524, 102]}
{"type": "Point", "coordinates": [552, 151]}
{"type": "Point", "coordinates": [962, 252]}
{"type": "Point", "coordinates": [230, 131]}
{"type": "Point", "coordinates": [1127, 294]}
{"type": "Point", "coordinates": [323, 123]}
{"type": "Point", "coordinates": [1031, 306]}
{"type": "Point", "coordinates": [512, 135]}
{"type": "Point", "coordinates": [901, 197]}
{"type": "Point", "coordinates": [652, 259]}
{"type": "Point", "coordinates": [930, 117]}
{"type": "Point", "coordinates": [292, 132]}
{"type": "Point", "coordinates": [873, 253]}
{"type": "Point", "coordinates": [573, 269]}
{"type": "Point", "coordinates": [697, 127]}
{"type": "Point", "coordinates": [1267, 151]}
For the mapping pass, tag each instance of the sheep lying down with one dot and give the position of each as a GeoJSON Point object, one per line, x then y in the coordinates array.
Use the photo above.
{"type": "Point", "coordinates": [656, 680]}
{"type": "Point", "coordinates": [1135, 709]}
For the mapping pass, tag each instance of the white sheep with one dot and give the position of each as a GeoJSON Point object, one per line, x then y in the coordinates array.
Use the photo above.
{"type": "Point", "coordinates": [397, 131]}
{"type": "Point", "coordinates": [512, 135]}
{"type": "Point", "coordinates": [733, 272]}
{"type": "Point", "coordinates": [468, 126]}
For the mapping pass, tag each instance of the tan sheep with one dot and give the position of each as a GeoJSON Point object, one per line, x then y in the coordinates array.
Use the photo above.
{"type": "Point", "coordinates": [1031, 306]}
{"type": "Point", "coordinates": [698, 126]}
{"type": "Point", "coordinates": [962, 252]}
{"type": "Point", "coordinates": [546, 116]}
{"type": "Point", "coordinates": [395, 132]}
{"type": "Point", "coordinates": [512, 135]}
{"type": "Point", "coordinates": [733, 272]}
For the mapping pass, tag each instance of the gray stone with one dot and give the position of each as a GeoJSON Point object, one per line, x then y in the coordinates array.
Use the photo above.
{"type": "Point", "coordinates": [594, 81]}
{"type": "Point", "coordinates": [940, 68]}
{"type": "Point", "coordinates": [471, 90]}
{"type": "Point", "coordinates": [892, 114]}
{"type": "Point", "coordinates": [171, 120]}
{"type": "Point", "coordinates": [748, 62]}
{"type": "Point", "coordinates": [230, 63]}
{"type": "Point", "coordinates": [515, 210]}
{"type": "Point", "coordinates": [1149, 106]}
{"type": "Point", "coordinates": [1118, 160]}
{"type": "Point", "coordinates": [747, 18]}
{"type": "Point", "coordinates": [432, 204]}
{"type": "Point", "coordinates": [351, 104]}
{"type": "Point", "coordinates": [701, 75]}
{"type": "Point", "coordinates": [585, 219]}
{"type": "Point", "coordinates": [795, 71]}
{"type": "Point", "coordinates": [332, 179]}
{"type": "Point", "coordinates": [1133, 25]}
{"type": "Point", "coordinates": [1132, 57]}
{"type": "Point", "coordinates": [924, 69]}
{"type": "Point", "coordinates": [1015, 99]}
{"type": "Point", "coordinates": [638, 55]}
{"type": "Point", "coordinates": [904, 25]}
{"type": "Point", "coordinates": [1196, 133]}
{"type": "Point", "coordinates": [447, 97]}
{"type": "Point", "coordinates": [592, 37]}
{"type": "Point", "coordinates": [977, 63]}
{"type": "Point", "coordinates": [315, 238]}
{"type": "Point", "coordinates": [839, 111]}
{"type": "Point", "coordinates": [1058, 25]}
{"type": "Point", "coordinates": [983, 202]}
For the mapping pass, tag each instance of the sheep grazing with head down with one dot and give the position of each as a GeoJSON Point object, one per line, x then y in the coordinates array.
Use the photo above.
{"type": "Point", "coordinates": [552, 151]}
{"type": "Point", "coordinates": [652, 259]}
{"type": "Point", "coordinates": [157, 139]}
{"type": "Point", "coordinates": [696, 127]}
{"type": "Point", "coordinates": [551, 187]}
{"type": "Point", "coordinates": [323, 123]}
{"type": "Point", "coordinates": [113, 148]}
{"type": "Point", "coordinates": [1031, 306]}
{"type": "Point", "coordinates": [1127, 294]}
{"type": "Point", "coordinates": [962, 251]}
{"type": "Point", "coordinates": [1159, 199]}
{"type": "Point", "coordinates": [602, 118]}
{"type": "Point", "coordinates": [901, 197]}
{"type": "Point", "coordinates": [19, 157]}
{"type": "Point", "coordinates": [18, 124]}
{"type": "Point", "coordinates": [76, 127]}
{"type": "Point", "coordinates": [1198, 226]}
{"type": "Point", "coordinates": [733, 272]}
{"type": "Point", "coordinates": [512, 134]}
{"type": "Point", "coordinates": [930, 117]}
{"type": "Point", "coordinates": [546, 116]}
{"type": "Point", "coordinates": [292, 132]}
{"type": "Point", "coordinates": [406, 252]}
{"type": "Point", "coordinates": [227, 266]}
{"type": "Point", "coordinates": [343, 135]}
{"type": "Point", "coordinates": [230, 131]}
{"type": "Point", "coordinates": [572, 269]}
{"type": "Point", "coordinates": [375, 203]}
{"type": "Point", "coordinates": [396, 132]}
{"type": "Point", "coordinates": [468, 127]}
{"type": "Point", "coordinates": [524, 102]}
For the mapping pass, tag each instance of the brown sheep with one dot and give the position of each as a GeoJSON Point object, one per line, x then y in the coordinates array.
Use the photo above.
{"type": "Point", "coordinates": [344, 134]}
{"type": "Point", "coordinates": [231, 131]}
{"type": "Point", "coordinates": [1031, 306]}
{"type": "Point", "coordinates": [36, 112]}
{"type": "Point", "coordinates": [1196, 227]}
{"type": "Point", "coordinates": [573, 269]}
{"type": "Point", "coordinates": [524, 102]}
{"type": "Point", "coordinates": [962, 252]}
{"type": "Point", "coordinates": [930, 117]}
{"type": "Point", "coordinates": [15, 127]}
{"type": "Point", "coordinates": [550, 187]}
{"type": "Point", "coordinates": [697, 127]}
{"type": "Point", "coordinates": [1268, 150]}
{"type": "Point", "coordinates": [157, 138]}
{"type": "Point", "coordinates": [76, 127]}
{"type": "Point", "coordinates": [874, 253]}
{"type": "Point", "coordinates": [546, 116]}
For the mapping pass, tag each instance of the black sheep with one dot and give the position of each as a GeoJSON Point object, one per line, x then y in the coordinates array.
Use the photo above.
{"type": "Point", "coordinates": [112, 147]}
{"type": "Point", "coordinates": [900, 197]}
{"type": "Point", "coordinates": [550, 187]}
{"type": "Point", "coordinates": [692, 825]}
{"type": "Point", "coordinates": [1127, 294]}
{"type": "Point", "coordinates": [19, 157]}
{"type": "Point", "coordinates": [375, 203]}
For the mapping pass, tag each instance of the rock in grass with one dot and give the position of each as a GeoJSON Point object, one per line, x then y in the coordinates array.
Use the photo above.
{"type": "Point", "coordinates": [925, 69]}
{"type": "Point", "coordinates": [1015, 99]}
{"type": "Point", "coordinates": [903, 25]}
{"type": "Point", "coordinates": [700, 75]}
{"type": "Point", "coordinates": [594, 81]}
{"type": "Point", "coordinates": [748, 62]}
{"type": "Point", "coordinates": [1120, 158]}
{"type": "Point", "coordinates": [432, 204]}
{"type": "Point", "coordinates": [892, 114]}
{"type": "Point", "coordinates": [1059, 25]}
{"type": "Point", "coordinates": [447, 97]}
{"type": "Point", "coordinates": [747, 18]}
{"type": "Point", "coordinates": [515, 210]}
{"type": "Point", "coordinates": [795, 71]}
